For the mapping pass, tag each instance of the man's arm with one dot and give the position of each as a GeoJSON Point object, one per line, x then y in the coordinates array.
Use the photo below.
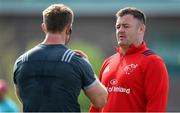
{"type": "Point", "coordinates": [156, 86]}
{"type": "Point", "coordinates": [97, 94]}
{"type": "Point", "coordinates": [17, 93]}
{"type": "Point", "coordinates": [92, 107]}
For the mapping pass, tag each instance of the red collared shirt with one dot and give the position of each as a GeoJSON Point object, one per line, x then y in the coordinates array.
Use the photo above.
{"type": "Point", "coordinates": [137, 81]}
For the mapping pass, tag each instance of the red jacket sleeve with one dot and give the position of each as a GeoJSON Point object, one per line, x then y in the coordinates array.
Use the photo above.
{"type": "Point", "coordinates": [93, 109]}
{"type": "Point", "coordinates": [156, 85]}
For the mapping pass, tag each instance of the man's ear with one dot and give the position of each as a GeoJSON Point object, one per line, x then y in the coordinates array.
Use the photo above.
{"type": "Point", "coordinates": [43, 26]}
{"type": "Point", "coordinates": [142, 28]}
{"type": "Point", "coordinates": [69, 30]}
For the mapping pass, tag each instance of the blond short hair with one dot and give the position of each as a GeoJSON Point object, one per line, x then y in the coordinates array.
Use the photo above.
{"type": "Point", "coordinates": [57, 16]}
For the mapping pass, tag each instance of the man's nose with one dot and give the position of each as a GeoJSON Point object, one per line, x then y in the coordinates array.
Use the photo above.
{"type": "Point", "coordinates": [121, 29]}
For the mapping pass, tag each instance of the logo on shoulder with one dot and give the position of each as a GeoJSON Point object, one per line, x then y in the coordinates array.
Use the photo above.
{"type": "Point", "coordinates": [148, 53]}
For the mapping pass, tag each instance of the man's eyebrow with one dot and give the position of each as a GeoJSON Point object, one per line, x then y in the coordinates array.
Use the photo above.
{"type": "Point", "coordinates": [122, 24]}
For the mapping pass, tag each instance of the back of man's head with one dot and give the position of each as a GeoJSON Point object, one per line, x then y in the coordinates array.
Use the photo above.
{"type": "Point", "coordinates": [56, 17]}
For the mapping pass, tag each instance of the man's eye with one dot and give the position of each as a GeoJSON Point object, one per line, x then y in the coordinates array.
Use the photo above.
{"type": "Point", "coordinates": [117, 27]}
{"type": "Point", "coordinates": [126, 26]}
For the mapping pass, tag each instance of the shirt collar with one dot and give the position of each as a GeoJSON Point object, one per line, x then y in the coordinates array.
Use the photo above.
{"type": "Point", "coordinates": [132, 49]}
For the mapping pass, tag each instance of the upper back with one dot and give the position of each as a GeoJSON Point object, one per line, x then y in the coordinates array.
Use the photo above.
{"type": "Point", "coordinates": [49, 78]}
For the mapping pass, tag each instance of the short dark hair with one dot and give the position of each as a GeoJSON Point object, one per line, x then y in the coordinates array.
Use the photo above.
{"type": "Point", "coordinates": [138, 14]}
{"type": "Point", "coordinates": [57, 16]}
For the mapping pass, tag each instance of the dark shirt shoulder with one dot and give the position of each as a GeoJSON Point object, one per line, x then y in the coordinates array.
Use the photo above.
{"type": "Point", "coordinates": [50, 78]}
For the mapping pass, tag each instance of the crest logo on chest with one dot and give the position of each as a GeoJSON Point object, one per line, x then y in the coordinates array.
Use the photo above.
{"type": "Point", "coordinates": [130, 68]}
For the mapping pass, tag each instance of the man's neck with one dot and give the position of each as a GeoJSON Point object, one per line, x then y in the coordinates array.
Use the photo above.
{"type": "Point", "coordinates": [54, 39]}
{"type": "Point", "coordinates": [125, 48]}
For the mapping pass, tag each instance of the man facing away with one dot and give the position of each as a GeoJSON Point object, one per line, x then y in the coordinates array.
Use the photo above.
{"type": "Point", "coordinates": [49, 77]}
{"type": "Point", "coordinates": [135, 77]}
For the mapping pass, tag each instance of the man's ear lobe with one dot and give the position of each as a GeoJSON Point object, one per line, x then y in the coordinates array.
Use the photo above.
{"type": "Point", "coordinates": [43, 26]}
{"type": "Point", "coordinates": [69, 30]}
{"type": "Point", "coordinates": [142, 28]}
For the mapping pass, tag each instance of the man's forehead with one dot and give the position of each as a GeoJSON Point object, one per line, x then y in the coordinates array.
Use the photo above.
{"type": "Point", "coordinates": [125, 19]}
